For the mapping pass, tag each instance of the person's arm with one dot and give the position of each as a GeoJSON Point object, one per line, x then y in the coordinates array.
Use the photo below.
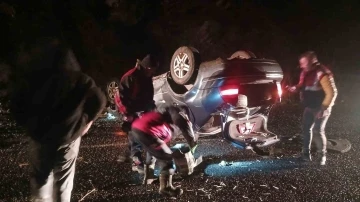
{"type": "Point", "coordinates": [95, 102]}
{"type": "Point", "coordinates": [301, 80]}
{"type": "Point", "coordinates": [180, 120]}
{"type": "Point", "coordinates": [161, 149]}
{"type": "Point", "coordinates": [126, 89]}
{"type": "Point", "coordinates": [87, 127]}
{"type": "Point", "coordinates": [299, 85]}
{"type": "Point", "coordinates": [328, 85]}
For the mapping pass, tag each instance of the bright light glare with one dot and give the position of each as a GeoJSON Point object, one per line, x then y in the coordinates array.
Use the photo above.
{"type": "Point", "coordinates": [279, 89]}
{"type": "Point", "coordinates": [230, 92]}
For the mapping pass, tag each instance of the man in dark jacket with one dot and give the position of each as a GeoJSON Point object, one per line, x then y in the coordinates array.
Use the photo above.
{"type": "Point", "coordinates": [56, 104]}
{"type": "Point", "coordinates": [136, 92]}
{"type": "Point", "coordinates": [318, 95]}
{"type": "Point", "coordinates": [154, 131]}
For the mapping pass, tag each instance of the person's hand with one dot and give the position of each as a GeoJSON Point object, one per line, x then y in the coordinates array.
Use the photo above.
{"type": "Point", "coordinates": [87, 127]}
{"type": "Point", "coordinates": [322, 113]}
{"type": "Point", "coordinates": [128, 118]}
{"type": "Point", "coordinates": [193, 147]}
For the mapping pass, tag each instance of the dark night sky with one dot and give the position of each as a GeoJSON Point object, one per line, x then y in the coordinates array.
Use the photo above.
{"type": "Point", "coordinates": [331, 28]}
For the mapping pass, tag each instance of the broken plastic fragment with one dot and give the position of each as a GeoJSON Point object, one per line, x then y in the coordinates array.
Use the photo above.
{"type": "Point", "coordinates": [110, 116]}
{"type": "Point", "coordinates": [224, 163]}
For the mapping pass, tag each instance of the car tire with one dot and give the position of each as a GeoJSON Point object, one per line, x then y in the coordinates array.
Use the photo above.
{"type": "Point", "coordinates": [241, 54]}
{"type": "Point", "coordinates": [184, 65]}
{"type": "Point", "coordinates": [111, 88]}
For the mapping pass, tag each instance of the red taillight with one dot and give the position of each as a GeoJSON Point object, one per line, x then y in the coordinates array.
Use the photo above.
{"type": "Point", "coordinates": [230, 91]}
{"type": "Point", "coordinates": [229, 94]}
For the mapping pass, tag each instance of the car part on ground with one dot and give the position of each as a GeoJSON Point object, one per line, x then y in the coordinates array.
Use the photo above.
{"type": "Point", "coordinates": [340, 145]}
{"type": "Point", "coordinates": [184, 159]}
{"type": "Point", "coordinates": [333, 145]}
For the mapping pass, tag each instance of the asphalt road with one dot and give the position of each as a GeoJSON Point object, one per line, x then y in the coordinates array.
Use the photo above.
{"type": "Point", "coordinates": [227, 174]}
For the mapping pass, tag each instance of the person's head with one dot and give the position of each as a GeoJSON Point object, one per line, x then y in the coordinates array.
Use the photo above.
{"type": "Point", "coordinates": [149, 65]}
{"type": "Point", "coordinates": [307, 59]}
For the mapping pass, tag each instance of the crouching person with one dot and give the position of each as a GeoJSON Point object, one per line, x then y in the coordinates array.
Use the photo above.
{"type": "Point", "coordinates": [154, 132]}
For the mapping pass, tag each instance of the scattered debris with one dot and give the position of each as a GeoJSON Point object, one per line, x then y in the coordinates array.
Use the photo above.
{"type": "Point", "coordinates": [110, 116]}
{"type": "Point", "coordinates": [293, 187]}
{"type": "Point", "coordinates": [263, 185]}
{"type": "Point", "coordinates": [222, 184]}
{"type": "Point", "coordinates": [293, 137]}
{"type": "Point", "coordinates": [276, 187]}
{"type": "Point", "coordinates": [224, 163]}
{"type": "Point", "coordinates": [87, 194]}
{"type": "Point", "coordinates": [245, 197]}
{"type": "Point", "coordinates": [234, 188]}
{"type": "Point", "coordinates": [189, 190]}
{"type": "Point", "coordinates": [23, 164]}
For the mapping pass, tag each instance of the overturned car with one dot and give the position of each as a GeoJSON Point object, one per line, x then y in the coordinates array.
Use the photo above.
{"type": "Point", "coordinates": [233, 96]}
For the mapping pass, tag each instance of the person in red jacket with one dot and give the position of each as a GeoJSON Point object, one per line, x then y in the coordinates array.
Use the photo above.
{"type": "Point", "coordinates": [154, 130]}
{"type": "Point", "coordinates": [318, 94]}
{"type": "Point", "coordinates": [135, 96]}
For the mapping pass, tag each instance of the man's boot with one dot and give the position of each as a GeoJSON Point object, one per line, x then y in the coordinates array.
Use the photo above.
{"type": "Point", "coordinates": [166, 187]}
{"type": "Point", "coordinates": [306, 157]}
{"type": "Point", "coordinates": [149, 176]}
{"type": "Point", "coordinates": [323, 160]}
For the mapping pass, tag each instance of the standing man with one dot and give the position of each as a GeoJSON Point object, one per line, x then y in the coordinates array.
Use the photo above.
{"type": "Point", "coordinates": [318, 94]}
{"type": "Point", "coordinates": [136, 95]}
{"type": "Point", "coordinates": [56, 104]}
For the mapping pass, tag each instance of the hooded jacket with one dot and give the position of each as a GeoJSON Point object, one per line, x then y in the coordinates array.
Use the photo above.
{"type": "Point", "coordinates": [53, 100]}
{"type": "Point", "coordinates": [136, 92]}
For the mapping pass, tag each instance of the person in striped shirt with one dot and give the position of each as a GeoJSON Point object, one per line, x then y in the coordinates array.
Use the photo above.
{"type": "Point", "coordinates": [318, 95]}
